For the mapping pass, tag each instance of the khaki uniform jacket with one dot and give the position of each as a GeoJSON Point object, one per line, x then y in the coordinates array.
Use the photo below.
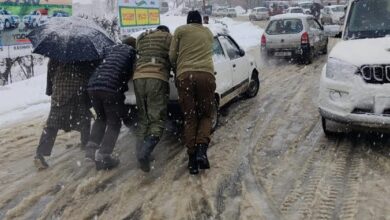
{"type": "Point", "coordinates": [153, 55]}
{"type": "Point", "coordinates": [192, 50]}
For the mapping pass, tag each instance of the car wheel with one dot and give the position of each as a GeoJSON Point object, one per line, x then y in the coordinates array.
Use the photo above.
{"type": "Point", "coordinates": [215, 115]}
{"type": "Point", "coordinates": [254, 86]}
{"type": "Point", "coordinates": [325, 49]}
{"type": "Point", "coordinates": [7, 24]}
{"type": "Point", "coordinates": [308, 57]}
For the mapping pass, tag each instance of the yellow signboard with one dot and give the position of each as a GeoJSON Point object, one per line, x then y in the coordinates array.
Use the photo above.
{"type": "Point", "coordinates": [135, 18]}
{"type": "Point", "coordinates": [128, 16]}
{"type": "Point", "coordinates": [154, 16]}
{"type": "Point", "coordinates": [142, 16]}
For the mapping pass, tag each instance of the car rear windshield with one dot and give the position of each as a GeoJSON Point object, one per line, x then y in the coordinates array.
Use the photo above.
{"type": "Point", "coordinates": [369, 19]}
{"type": "Point", "coordinates": [284, 26]}
{"type": "Point", "coordinates": [296, 10]}
{"type": "Point", "coordinates": [338, 9]}
{"type": "Point", "coordinates": [262, 10]}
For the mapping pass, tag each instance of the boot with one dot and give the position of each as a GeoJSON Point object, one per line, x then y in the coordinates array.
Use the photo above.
{"type": "Point", "coordinates": [105, 161]}
{"type": "Point", "coordinates": [145, 152]}
{"type": "Point", "coordinates": [90, 151]}
{"type": "Point", "coordinates": [192, 164]}
{"type": "Point", "coordinates": [40, 162]}
{"type": "Point", "coordinates": [201, 156]}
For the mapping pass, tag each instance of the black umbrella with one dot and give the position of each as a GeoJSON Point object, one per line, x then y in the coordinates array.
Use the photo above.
{"type": "Point", "coordinates": [70, 39]}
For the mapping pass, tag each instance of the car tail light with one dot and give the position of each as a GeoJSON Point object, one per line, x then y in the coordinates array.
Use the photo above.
{"type": "Point", "coordinates": [263, 40]}
{"type": "Point", "coordinates": [305, 38]}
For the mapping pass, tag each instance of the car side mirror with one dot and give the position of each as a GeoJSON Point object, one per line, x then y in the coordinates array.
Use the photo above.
{"type": "Point", "coordinates": [242, 52]}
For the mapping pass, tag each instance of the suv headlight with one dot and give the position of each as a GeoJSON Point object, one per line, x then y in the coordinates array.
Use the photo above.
{"type": "Point", "coordinates": [340, 70]}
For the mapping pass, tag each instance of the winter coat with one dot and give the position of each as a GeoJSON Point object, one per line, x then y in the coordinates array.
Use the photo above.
{"type": "Point", "coordinates": [192, 49]}
{"type": "Point", "coordinates": [67, 83]}
{"type": "Point", "coordinates": [153, 55]}
{"type": "Point", "coordinates": [115, 71]}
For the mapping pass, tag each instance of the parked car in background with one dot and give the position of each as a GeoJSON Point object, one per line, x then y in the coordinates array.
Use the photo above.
{"type": "Point", "coordinates": [306, 7]}
{"type": "Point", "coordinates": [276, 10]}
{"type": "Point", "coordinates": [221, 12]}
{"type": "Point", "coordinates": [259, 13]}
{"type": "Point", "coordinates": [164, 7]}
{"type": "Point", "coordinates": [36, 18]}
{"type": "Point", "coordinates": [1, 24]}
{"type": "Point", "coordinates": [355, 82]}
{"type": "Point", "coordinates": [332, 14]}
{"type": "Point", "coordinates": [236, 74]}
{"type": "Point", "coordinates": [232, 12]}
{"type": "Point", "coordinates": [8, 21]}
{"type": "Point", "coordinates": [60, 14]}
{"type": "Point", "coordinates": [295, 10]}
{"type": "Point", "coordinates": [294, 36]}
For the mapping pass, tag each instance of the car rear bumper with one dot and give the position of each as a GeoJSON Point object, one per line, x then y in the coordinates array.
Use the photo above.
{"type": "Point", "coordinates": [285, 52]}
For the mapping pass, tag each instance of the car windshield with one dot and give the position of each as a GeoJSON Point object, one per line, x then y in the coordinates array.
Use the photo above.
{"type": "Point", "coordinates": [285, 26]}
{"type": "Point", "coordinates": [338, 9]}
{"type": "Point", "coordinates": [262, 10]}
{"type": "Point", "coordinates": [368, 19]}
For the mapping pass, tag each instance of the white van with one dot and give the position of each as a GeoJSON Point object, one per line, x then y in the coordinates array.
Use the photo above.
{"type": "Point", "coordinates": [355, 83]}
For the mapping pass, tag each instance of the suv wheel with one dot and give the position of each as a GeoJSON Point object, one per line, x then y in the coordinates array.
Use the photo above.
{"type": "Point", "coordinates": [215, 115]}
{"type": "Point", "coordinates": [254, 86]}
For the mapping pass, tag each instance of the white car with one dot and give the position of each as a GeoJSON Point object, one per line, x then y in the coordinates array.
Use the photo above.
{"type": "Point", "coordinates": [35, 18]}
{"type": "Point", "coordinates": [236, 74]}
{"type": "Point", "coordinates": [221, 12]}
{"type": "Point", "coordinates": [232, 12]}
{"type": "Point", "coordinates": [293, 10]}
{"type": "Point", "coordinates": [355, 83]}
{"type": "Point", "coordinates": [259, 13]}
{"type": "Point", "coordinates": [306, 7]}
{"type": "Point", "coordinates": [332, 14]}
{"type": "Point", "coordinates": [294, 36]}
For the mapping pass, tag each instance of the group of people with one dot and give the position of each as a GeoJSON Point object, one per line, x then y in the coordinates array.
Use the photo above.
{"type": "Point", "coordinates": [148, 60]}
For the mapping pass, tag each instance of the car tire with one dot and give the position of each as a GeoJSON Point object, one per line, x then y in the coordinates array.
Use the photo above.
{"type": "Point", "coordinates": [325, 49]}
{"type": "Point", "coordinates": [7, 24]}
{"type": "Point", "coordinates": [254, 86]}
{"type": "Point", "coordinates": [307, 58]}
{"type": "Point", "coordinates": [215, 115]}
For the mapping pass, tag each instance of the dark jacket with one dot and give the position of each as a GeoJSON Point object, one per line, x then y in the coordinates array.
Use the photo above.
{"type": "Point", "coordinates": [115, 71]}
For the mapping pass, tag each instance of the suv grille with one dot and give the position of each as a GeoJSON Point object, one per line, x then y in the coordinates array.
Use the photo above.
{"type": "Point", "coordinates": [375, 74]}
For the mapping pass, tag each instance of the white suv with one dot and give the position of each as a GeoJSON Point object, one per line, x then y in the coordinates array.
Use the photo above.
{"type": "Point", "coordinates": [236, 74]}
{"type": "Point", "coordinates": [355, 83]}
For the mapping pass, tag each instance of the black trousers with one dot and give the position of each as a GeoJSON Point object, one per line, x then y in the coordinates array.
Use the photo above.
{"type": "Point", "coordinates": [49, 135]}
{"type": "Point", "coordinates": [110, 110]}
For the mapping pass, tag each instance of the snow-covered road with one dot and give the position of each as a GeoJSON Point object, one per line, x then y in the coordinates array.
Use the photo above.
{"type": "Point", "coordinates": [270, 160]}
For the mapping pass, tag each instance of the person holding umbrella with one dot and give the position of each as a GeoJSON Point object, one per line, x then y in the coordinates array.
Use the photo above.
{"type": "Point", "coordinates": [69, 110]}
{"type": "Point", "coordinates": [106, 88]}
{"type": "Point", "coordinates": [75, 46]}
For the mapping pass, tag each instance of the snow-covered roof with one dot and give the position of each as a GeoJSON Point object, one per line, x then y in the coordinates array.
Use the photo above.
{"type": "Point", "coordinates": [290, 16]}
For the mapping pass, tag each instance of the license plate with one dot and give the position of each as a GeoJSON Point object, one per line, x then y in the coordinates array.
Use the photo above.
{"type": "Point", "coordinates": [283, 54]}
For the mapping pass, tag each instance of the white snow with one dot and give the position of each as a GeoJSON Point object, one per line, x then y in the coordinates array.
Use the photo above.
{"type": "Point", "coordinates": [26, 99]}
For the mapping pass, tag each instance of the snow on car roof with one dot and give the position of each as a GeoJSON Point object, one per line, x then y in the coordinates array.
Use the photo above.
{"type": "Point", "coordinates": [260, 8]}
{"type": "Point", "coordinates": [289, 16]}
{"type": "Point", "coordinates": [335, 6]}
